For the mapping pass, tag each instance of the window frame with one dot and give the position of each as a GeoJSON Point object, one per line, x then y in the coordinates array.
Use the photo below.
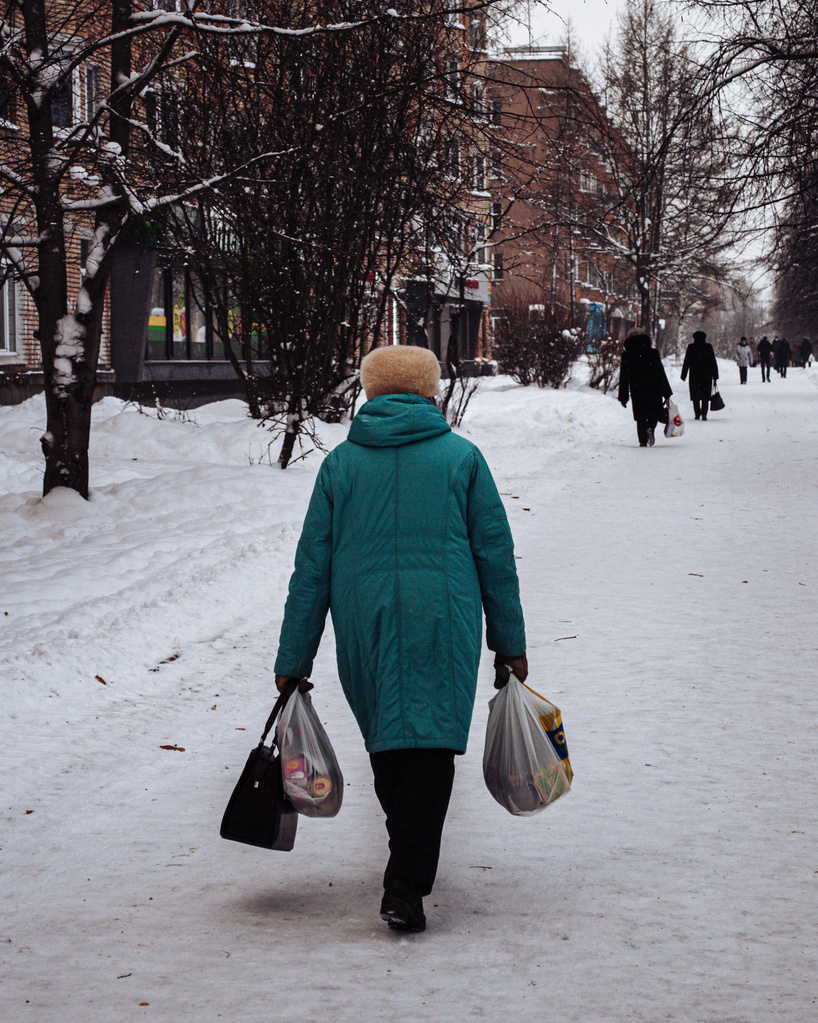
{"type": "Point", "coordinates": [10, 316]}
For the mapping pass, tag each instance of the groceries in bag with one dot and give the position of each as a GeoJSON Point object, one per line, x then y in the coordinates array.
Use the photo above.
{"type": "Point", "coordinates": [312, 778]}
{"type": "Point", "coordinates": [525, 762]}
{"type": "Point", "coordinates": [675, 426]}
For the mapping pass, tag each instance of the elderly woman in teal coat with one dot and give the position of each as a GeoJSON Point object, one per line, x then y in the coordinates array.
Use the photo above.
{"type": "Point", "coordinates": [407, 544]}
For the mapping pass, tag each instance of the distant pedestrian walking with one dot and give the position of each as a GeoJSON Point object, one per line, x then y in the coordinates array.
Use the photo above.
{"type": "Point", "coordinates": [783, 356]}
{"type": "Point", "coordinates": [744, 358]}
{"type": "Point", "coordinates": [765, 351]}
{"type": "Point", "coordinates": [700, 363]}
{"type": "Point", "coordinates": [805, 351]}
{"type": "Point", "coordinates": [643, 377]}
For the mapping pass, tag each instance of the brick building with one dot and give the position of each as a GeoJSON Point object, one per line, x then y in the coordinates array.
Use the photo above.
{"type": "Point", "coordinates": [158, 333]}
{"type": "Point", "coordinates": [552, 193]}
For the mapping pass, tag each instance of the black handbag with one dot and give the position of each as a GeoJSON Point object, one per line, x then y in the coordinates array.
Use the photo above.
{"type": "Point", "coordinates": [716, 401]}
{"type": "Point", "coordinates": [258, 812]}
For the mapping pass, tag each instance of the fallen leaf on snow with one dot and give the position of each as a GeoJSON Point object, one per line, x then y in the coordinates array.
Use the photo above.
{"type": "Point", "coordinates": [179, 749]}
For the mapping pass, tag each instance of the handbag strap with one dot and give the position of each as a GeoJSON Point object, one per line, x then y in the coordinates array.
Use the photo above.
{"type": "Point", "coordinates": [284, 695]}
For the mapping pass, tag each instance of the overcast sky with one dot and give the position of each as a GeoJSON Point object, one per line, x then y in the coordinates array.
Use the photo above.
{"type": "Point", "coordinates": [592, 20]}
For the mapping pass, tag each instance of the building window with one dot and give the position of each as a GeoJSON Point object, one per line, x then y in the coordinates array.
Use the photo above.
{"type": "Point", "coordinates": [587, 181]}
{"type": "Point", "coordinates": [162, 114]}
{"type": "Point", "coordinates": [452, 73]}
{"type": "Point", "coordinates": [479, 172]}
{"type": "Point", "coordinates": [496, 111]}
{"type": "Point", "coordinates": [7, 105]}
{"type": "Point", "coordinates": [179, 322]}
{"type": "Point", "coordinates": [536, 313]}
{"type": "Point", "coordinates": [93, 91]}
{"type": "Point", "coordinates": [479, 243]}
{"type": "Point", "coordinates": [62, 102]}
{"type": "Point", "coordinates": [477, 32]}
{"type": "Point", "coordinates": [498, 266]}
{"type": "Point", "coordinates": [496, 163]}
{"type": "Point", "coordinates": [496, 216]}
{"type": "Point", "coordinates": [452, 157]}
{"type": "Point", "coordinates": [9, 303]}
{"type": "Point", "coordinates": [478, 98]}
{"type": "Point", "coordinates": [85, 251]}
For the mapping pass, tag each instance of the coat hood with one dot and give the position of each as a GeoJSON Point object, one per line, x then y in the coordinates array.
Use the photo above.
{"type": "Point", "coordinates": [393, 420]}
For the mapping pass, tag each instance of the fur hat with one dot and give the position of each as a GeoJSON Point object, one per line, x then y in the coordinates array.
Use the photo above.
{"type": "Point", "coordinates": [699, 335]}
{"type": "Point", "coordinates": [400, 369]}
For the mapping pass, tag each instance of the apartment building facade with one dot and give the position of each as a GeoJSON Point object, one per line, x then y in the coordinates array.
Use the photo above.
{"type": "Point", "coordinates": [552, 196]}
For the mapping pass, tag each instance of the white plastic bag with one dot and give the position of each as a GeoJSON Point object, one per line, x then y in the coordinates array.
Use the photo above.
{"type": "Point", "coordinates": [674, 427]}
{"type": "Point", "coordinates": [312, 778]}
{"type": "Point", "coordinates": [525, 761]}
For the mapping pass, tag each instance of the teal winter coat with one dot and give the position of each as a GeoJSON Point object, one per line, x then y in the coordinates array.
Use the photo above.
{"type": "Point", "coordinates": [406, 541]}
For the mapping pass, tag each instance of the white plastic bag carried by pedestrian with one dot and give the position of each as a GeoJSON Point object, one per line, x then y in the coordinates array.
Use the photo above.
{"type": "Point", "coordinates": [525, 761]}
{"type": "Point", "coordinates": [674, 427]}
{"type": "Point", "coordinates": [312, 778]}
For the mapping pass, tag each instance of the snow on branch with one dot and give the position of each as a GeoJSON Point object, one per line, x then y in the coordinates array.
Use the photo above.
{"type": "Point", "coordinates": [214, 24]}
{"type": "Point", "coordinates": [9, 174]}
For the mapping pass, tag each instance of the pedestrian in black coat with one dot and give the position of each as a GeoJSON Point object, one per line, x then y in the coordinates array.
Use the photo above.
{"type": "Point", "coordinates": [783, 356]}
{"type": "Point", "coordinates": [643, 377]}
{"type": "Point", "coordinates": [804, 352]}
{"type": "Point", "coordinates": [765, 350]}
{"type": "Point", "coordinates": [700, 363]}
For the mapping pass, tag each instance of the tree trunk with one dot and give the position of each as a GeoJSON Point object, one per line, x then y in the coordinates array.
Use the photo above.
{"type": "Point", "coordinates": [290, 435]}
{"type": "Point", "coordinates": [70, 345]}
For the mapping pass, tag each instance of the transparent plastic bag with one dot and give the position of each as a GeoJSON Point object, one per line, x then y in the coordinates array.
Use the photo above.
{"type": "Point", "coordinates": [312, 778]}
{"type": "Point", "coordinates": [525, 761]}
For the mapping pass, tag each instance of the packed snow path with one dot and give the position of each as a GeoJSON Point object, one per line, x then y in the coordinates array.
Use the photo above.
{"type": "Point", "coordinates": [670, 599]}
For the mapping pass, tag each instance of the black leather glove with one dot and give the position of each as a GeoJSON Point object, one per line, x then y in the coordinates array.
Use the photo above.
{"type": "Point", "coordinates": [503, 666]}
{"type": "Point", "coordinates": [304, 685]}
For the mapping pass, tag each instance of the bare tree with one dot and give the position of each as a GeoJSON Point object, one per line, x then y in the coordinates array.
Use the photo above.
{"type": "Point", "coordinates": [91, 148]}
{"type": "Point", "coordinates": [534, 350]}
{"type": "Point", "coordinates": [763, 64]}
{"type": "Point", "coordinates": [348, 190]}
{"type": "Point", "coordinates": [673, 156]}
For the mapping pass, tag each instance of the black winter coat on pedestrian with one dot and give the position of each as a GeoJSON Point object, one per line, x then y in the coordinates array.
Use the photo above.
{"type": "Point", "coordinates": [700, 363]}
{"type": "Point", "coordinates": [643, 377]}
{"type": "Point", "coordinates": [765, 350]}
{"type": "Point", "coordinates": [783, 354]}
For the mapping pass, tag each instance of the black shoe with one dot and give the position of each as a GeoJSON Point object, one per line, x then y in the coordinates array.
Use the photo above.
{"type": "Point", "coordinates": [402, 907]}
{"type": "Point", "coordinates": [651, 439]}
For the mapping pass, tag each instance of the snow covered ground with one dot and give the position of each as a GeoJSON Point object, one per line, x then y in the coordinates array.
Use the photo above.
{"type": "Point", "coordinates": [671, 598]}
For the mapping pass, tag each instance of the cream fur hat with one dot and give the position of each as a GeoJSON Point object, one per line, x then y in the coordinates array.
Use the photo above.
{"type": "Point", "coordinates": [400, 369]}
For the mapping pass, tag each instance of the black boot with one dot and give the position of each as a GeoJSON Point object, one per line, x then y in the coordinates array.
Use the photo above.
{"type": "Point", "coordinates": [402, 907]}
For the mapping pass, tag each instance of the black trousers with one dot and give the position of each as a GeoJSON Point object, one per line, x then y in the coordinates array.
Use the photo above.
{"type": "Point", "coordinates": [414, 786]}
{"type": "Point", "coordinates": [642, 427]}
{"type": "Point", "coordinates": [700, 408]}
{"type": "Point", "coordinates": [742, 374]}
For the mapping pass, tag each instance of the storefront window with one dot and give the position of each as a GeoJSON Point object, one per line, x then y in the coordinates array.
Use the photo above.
{"type": "Point", "coordinates": [178, 314]}
{"type": "Point", "coordinates": [198, 321]}
{"type": "Point", "coordinates": [181, 326]}
{"type": "Point", "coordinates": [157, 347]}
